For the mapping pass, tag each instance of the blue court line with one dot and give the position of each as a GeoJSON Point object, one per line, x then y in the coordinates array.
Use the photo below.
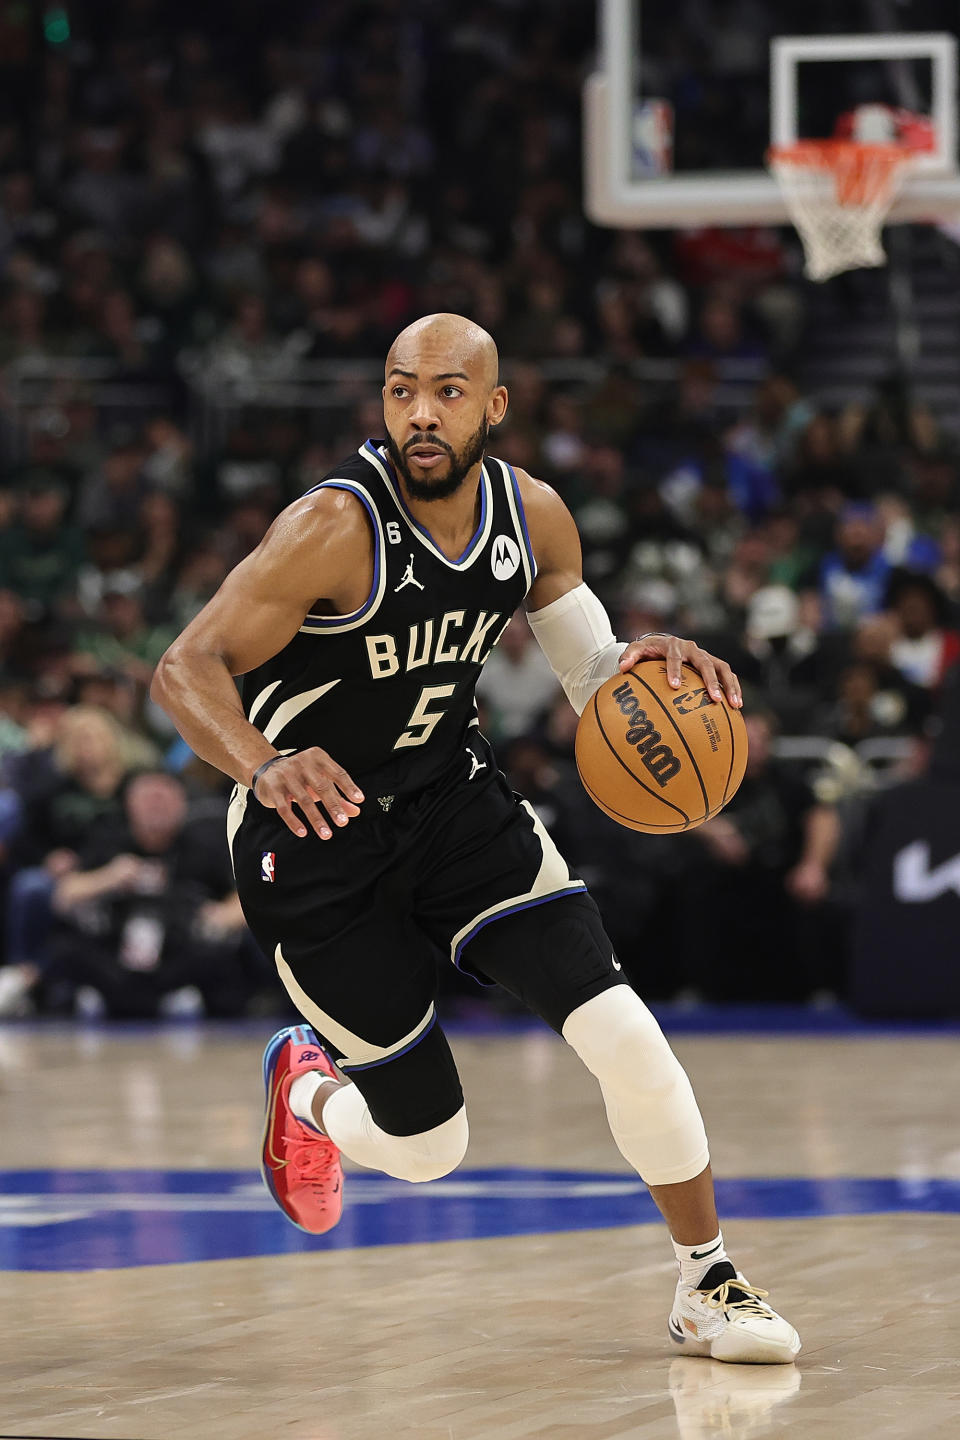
{"type": "Point", "coordinates": [727, 1020]}
{"type": "Point", "coordinates": [473, 1018]}
{"type": "Point", "coordinates": [71, 1220]}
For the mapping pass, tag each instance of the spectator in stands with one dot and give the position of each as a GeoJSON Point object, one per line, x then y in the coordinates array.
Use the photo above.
{"type": "Point", "coordinates": [763, 862]}
{"type": "Point", "coordinates": [928, 644]}
{"type": "Point", "coordinates": [150, 910]}
{"type": "Point", "coordinates": [868, 707]}
{"type": "Point", "coordinates": [783, 658]}
{"type": "Point", "coordinates": [854, 576]}
{"type": "Point", "coordinates": [769, 434]}
{"type": "Point", "coordinates": [162, 546]}
{"type": "Point", "coordinates": [41, 553]}
{"type": "Point", "coordinates": [125, 640]}
{"type": "Point", "coordinates": [62, 794]}
{"type": "Point", "coordinates": [893, 421]}
{"type": "Point", "coordinates": [634, 877]}
{"type": "Point", "coordinates": [722, 334]}
{"type": "Point", "coordinates": [14, 643]}
{"type": "Point", "coordinates": [111, 496]}
{"type": "Point", "coordinates": [168, 466]}
{"type": "Point", "coordinates": [517, 683]}
{"type": "Point", "coordinates": [948, 571]}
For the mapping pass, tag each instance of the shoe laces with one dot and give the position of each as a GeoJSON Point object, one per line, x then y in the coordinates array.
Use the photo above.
{"type": "Point", "coordinates": [738, 1295]}
{"type": "Point", "coordinates": [314, 1161]}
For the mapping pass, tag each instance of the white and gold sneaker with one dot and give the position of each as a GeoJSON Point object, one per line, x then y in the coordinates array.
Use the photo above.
{"type": "Point", "coordinates": [726, 1318]}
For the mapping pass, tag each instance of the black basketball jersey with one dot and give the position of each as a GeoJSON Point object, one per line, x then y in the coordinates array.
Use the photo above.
{"type": "Point", "coordinates": [388, 691]}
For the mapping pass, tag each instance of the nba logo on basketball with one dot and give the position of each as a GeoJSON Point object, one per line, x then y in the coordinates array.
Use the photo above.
{"type": "Point", "coordinates": [268, 863]}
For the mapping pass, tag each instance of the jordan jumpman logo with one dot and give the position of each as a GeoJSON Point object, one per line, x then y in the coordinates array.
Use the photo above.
{"type": "Point", "coordinates": [476, 764]}
{"type": "Point", "coordinates": [408, 578]}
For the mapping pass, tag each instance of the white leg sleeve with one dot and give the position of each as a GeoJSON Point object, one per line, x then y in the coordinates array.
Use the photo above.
{"type": "Point", "coordinates": [351, 1127]}
{"type": "Point", "coordinates": [650, 1104]}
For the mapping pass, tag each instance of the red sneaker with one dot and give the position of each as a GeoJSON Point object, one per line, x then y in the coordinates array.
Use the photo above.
{"type": "Point", "coordinates": [300, 1165]}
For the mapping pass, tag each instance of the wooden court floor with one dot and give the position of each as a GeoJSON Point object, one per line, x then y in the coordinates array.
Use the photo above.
{"type": "Point", "coordinates": [840, 1158]}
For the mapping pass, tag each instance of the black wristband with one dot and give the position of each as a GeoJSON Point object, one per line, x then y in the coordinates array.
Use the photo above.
{"type": "Point", "coordinates": [260, 769]}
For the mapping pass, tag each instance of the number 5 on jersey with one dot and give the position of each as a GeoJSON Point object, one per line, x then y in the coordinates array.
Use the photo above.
{"type": "Point", "coordinates": [422, 720]}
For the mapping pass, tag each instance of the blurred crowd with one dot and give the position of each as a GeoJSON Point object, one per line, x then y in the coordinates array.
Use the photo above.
{"type": "Point", "coordinates": [212, 202]}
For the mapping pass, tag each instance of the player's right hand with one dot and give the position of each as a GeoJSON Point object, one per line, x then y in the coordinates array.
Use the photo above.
{"type": "Point", "coordinates": [310, 780]}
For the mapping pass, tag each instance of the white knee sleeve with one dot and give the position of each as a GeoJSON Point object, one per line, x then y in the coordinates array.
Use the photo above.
{"type": "Point", "coordinates": [650, 1104]}
{"type": "Point", "coordinates": [351, 1127]}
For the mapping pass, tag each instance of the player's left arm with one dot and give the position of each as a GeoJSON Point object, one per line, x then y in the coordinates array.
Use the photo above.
{"type": "Point", "coordinates": [572, 626]}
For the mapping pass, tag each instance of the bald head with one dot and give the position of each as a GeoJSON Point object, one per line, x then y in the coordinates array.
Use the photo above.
{"type": "Point", "coordinates": [445, 344]}
{"type": "Point", "coordinates": [440, 398]}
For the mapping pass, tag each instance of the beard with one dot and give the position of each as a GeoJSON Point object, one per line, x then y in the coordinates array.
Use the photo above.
{"type": "Point", "coordinates": [460, 464]}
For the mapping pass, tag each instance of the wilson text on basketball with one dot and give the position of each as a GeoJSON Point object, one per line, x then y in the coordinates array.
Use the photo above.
{"type": "Point", "coordinates": [657, 757]}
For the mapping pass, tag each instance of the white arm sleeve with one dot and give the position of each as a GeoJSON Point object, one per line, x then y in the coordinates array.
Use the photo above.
{"type": "Point", "coordinates": [575, 635]}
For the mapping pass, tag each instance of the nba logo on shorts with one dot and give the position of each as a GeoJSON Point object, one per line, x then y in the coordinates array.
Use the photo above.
{"type": "Point", "coordinates": [268, 861]}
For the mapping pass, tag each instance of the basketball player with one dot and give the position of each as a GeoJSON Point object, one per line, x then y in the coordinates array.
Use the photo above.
{"type": "Point", "coordinates": [371, 830]}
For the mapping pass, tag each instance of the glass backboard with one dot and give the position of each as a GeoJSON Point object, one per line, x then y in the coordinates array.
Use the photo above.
{"type": "Point", "coordinates": [677, 121]}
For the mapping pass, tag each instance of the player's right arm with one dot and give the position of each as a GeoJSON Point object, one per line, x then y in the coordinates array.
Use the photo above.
{"type": "Point", "coordinates": [319, 546]}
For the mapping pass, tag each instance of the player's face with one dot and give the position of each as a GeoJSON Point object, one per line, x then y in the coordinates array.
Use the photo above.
{"type": "Point", "coordinates": [437, 418]}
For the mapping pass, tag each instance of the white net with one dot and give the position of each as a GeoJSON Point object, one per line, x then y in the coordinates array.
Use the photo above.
{"type": "Point", "coordinates": [838, 194]}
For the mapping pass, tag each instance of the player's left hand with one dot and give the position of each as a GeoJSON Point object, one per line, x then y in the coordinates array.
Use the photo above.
{"type": "Point", "coordinates": [714, 672]}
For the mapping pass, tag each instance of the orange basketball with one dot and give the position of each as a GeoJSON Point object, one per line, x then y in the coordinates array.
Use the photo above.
{"type": "Point", "coordinates": [658, 759]}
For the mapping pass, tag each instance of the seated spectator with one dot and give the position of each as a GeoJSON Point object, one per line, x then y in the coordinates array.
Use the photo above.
{"type": "Point", "coordinates": [14, 738]}
{"type": "Point", "coordinates": [721, 333]}
{"type": "Point", "coordinates": [163, 545]}
{"type": "Point", "coordinates": [782, 657]}
{"type": "Point", "coordinates": [854, 576]}
{"type": "Point", "coordinates": [151, 909]}
{"type": "Point", "coordinates": [111, 560]}
{"type": "Point", "coordinates": [769, 434]}
{"type": "Point", "coordinates": [62, 794]}
{"type": "Point", "coordinates": [794, 557]}
{"type": "Point", "coordinates": [948, 571]}
{"type": "Point", "coordinates": [903, 544]}
{"type": "Point", "coordinates": [72, 786]}
{"type": "Point", "coordinates": [747, 571]}
{"type": "Point", "coordinates": [820, 473]}
{"type": "Point", "coordinates": [869, 707]}
{"type": "Point", "coordinates": [203, 571]}
{"type": "Point", "coordinates": [632, 877]}
{"type": "Point", "coordinates": [169, 459]}
{"type": "Point", "coordinates": [517, 682]}
{"type": "Point", "coordinates": [928, 644]}
{"type": "Point", "coordinates": [41, 554]}
{"type": "Point", "coordinates": [602, 518]}
{"type": "Point", "coordinates": [111, 494]}
{"type": "Point", "coordinates": [762, 864]}
{"type": "Point", "coordinates": [14, 636]}
{"type": "Point", "coordinates": [125, 641]}
{"type": "Point", "coordinates": [893, 420]}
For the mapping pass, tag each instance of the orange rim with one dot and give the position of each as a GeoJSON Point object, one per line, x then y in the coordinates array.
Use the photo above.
{"type": "Point", "coordinates": [862, 174]}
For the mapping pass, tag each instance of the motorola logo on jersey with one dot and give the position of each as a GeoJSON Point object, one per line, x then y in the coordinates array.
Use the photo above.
{"type": "Point", "coordinates": [504, 557]}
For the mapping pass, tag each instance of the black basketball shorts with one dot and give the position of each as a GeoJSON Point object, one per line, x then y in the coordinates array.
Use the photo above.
{"type": "Point", "coordinates": [461, 871]}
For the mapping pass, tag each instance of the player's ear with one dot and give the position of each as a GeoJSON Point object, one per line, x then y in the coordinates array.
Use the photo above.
{"type": "Point", "coordinates": [497, 405]}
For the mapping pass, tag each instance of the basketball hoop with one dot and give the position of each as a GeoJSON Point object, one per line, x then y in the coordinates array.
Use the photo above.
{"type": "Point", "coordinates": [838, 193]}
